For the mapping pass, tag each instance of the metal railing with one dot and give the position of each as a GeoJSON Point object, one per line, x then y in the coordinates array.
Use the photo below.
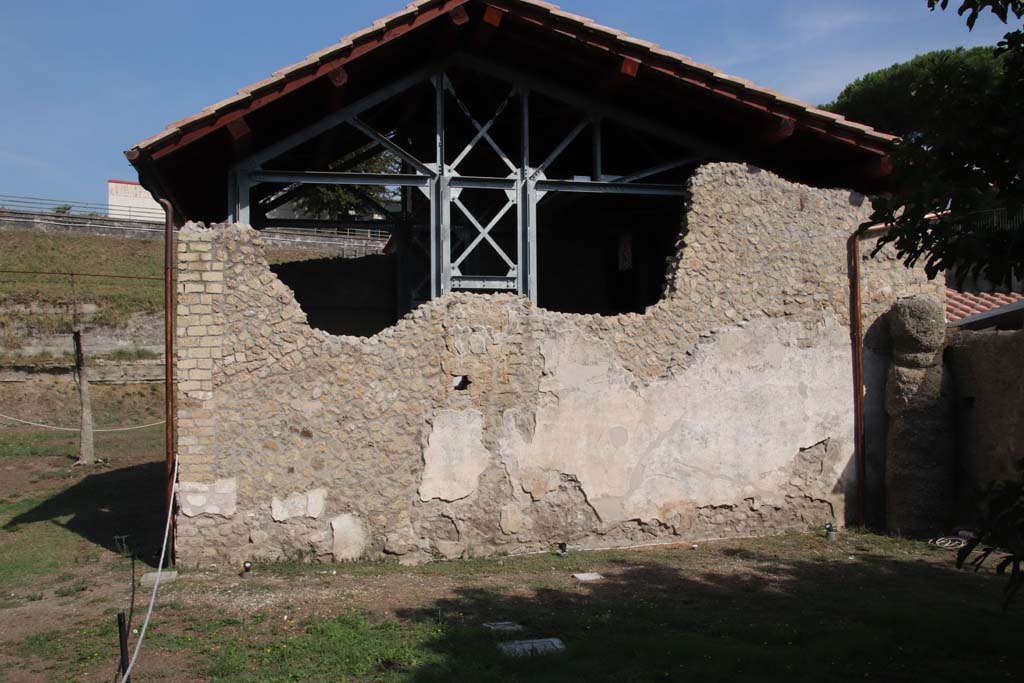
{"type": "Point", "coordinates": [995, 219]}
{"type": "Point", "coordinates": [329, 231]}
{"type": "Point", "coordinates": [63, 207]}
{"type": "Point", "coordinates": [59, 211]}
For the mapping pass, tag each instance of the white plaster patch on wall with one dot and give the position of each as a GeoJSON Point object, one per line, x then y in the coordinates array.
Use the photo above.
{"type": "Point", "coordinates": [306, 504]}
{"type": "Point", "coordinates": [454, 457]}
{"type": "Point", "coordinates": [218, 498]}
{"type": "Point", "coordinates": [349, 537]}
{"type": "Point", "coordinates": [726, 428]}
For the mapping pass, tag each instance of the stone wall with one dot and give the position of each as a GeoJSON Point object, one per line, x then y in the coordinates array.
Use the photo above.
{"type": "Point", "coordinates": [988, 377]}
{"type": "Point", "coordinates": [920, 468]}
{"type": "Point", "coordinates": [482, 424]}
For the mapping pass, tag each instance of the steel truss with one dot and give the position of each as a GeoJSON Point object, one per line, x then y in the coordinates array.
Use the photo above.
{"type": "Point", "coordinates": [524, 187]}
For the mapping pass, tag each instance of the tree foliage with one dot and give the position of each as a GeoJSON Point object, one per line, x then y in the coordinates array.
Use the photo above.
{"type": "Point", "coordinates": [1001, 529]}
{"type": "Point", "coordinates": [959, 167]}
{"type": "Point", "coordinates": [340, 202]}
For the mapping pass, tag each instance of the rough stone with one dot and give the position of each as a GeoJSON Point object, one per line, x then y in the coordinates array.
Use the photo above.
{"type": "Point", "coordinates": [308, 504]}
{"type": "Point", "coordinates": [531, 648]}
{"type": "Point", "coordinates": [218, 498]}
{"type": "Point", "coordinates": [988, 378]}
{"type": "Point", "coordinates": [349, 538]}
{"type": "Point", "coordinates": [920, 466]}
{"type": "Point", "coordinates": [455, 456]}
{"type": "Point", "coordinates": [148, 580]}
{"type": "Point", "coordinates": [614, 430]}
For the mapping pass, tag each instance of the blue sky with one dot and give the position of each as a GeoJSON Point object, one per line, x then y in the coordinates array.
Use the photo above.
{"type": "Point", "coordinates": [84, 80]}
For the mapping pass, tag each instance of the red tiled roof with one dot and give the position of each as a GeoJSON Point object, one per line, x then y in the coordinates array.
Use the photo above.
{"type": "Point", "coordinates": [960, 305]}
{"type": "Point", "coordinates": [583, 28]}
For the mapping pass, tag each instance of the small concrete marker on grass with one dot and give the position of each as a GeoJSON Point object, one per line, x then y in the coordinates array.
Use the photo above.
{"type": "Point", "coordinates": [503, 626]}
{"type": "Point", "coordinates": [149, 578]}
{"type": "Point", "coordinates": [531, 648]}
{"type": "Point", "coordinates": [588, 577]}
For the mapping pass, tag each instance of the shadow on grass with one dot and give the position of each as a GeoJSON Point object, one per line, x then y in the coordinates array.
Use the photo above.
{"type": "Point", "coordinates": [874, 617]}
{"type": "Point", "coordinates": [124, 502]}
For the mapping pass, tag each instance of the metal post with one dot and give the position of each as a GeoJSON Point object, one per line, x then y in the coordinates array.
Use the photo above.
{"type": "Point", "coordinates": [244, 185]}
{"type": "Point", "coordinates": [122, 641]}
{"type": "Point", "coordinates": [446, 234]}
{"type": "Point", "coordinates": [435, 188]}
{"type": "Point", "coordinates": [598, 172]}
{"type": "Point", "coordinates": [523, 214]}
{"type": "Point", "coordinates": [531, 238]}
{"type": "Point", "coordinates": [233, 197]}
{"type": "Point", "coordinates": [169, 361]}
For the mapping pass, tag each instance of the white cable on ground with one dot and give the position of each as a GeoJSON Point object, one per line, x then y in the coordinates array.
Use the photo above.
{"type": "Point", "coordinates": [75, 429]}
{"type": "Point", "coordinates": [159, 571]}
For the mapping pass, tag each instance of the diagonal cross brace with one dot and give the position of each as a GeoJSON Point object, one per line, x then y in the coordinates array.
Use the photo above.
{"type": "Point", "coordinates": [391, 146]}
{"type": "Point", "coordinates": [481, 130]}
{"type": "Point", "coordinates": [484, 233]}
{"type": "Point", "coordinates": [557, 152]}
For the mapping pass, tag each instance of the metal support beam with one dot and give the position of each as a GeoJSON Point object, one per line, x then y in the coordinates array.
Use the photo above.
{"type": "Point", "coordinates": [610, 188]}
{"type": "Point", "coordinates": [242, 214]}
{"type": "Point", "coordinates": [485, 282]}
{"type": "Point", "coordinates": [655, 170]}
{"type": "Point", "coordinates": [596, 107]}
{"type": "Point", "coordinates": [481, 183]}
{"type": "Point", "coordinates": [330, 178]}
{"type": "Point", "coordinates": [531, 238]}
{"type": "Point", "coordinates": [391, 146]}
{"type": "Point", "coordinates": [557, 151]}
{"type": "Point", "coordinates": [339, 117]}
{"type": "Point", "coordinates": [233, 197]}
{"type": "Point", "coordinates": [436, 194]}
{"type": "Point", "coordinates": [484, 234]}
{"type": "Point", "coordinates": [481, 131]}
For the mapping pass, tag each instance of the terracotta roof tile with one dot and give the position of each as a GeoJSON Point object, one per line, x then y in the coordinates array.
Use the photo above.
{"type": "Point", "coordinates": [960, 305]}
{"type": "Point", "coordinates": [617, 36]}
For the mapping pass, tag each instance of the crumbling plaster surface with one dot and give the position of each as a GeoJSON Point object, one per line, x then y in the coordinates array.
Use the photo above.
{"type": "Point", "coordinates": [724, 409]}
{"type": "Point", "coordinates": [710, 434]}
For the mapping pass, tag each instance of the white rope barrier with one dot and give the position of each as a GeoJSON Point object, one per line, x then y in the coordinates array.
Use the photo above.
{"type": "Point", "coordinates": [159, 571]}
{"type": "Point", "coordinates": [75, 429]}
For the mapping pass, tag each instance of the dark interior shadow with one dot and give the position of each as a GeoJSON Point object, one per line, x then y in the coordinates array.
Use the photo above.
{"type": "Point", "coordinates": [345, 296]}
{"type": "Point", "coordinates": [124, 502]}
{"type": "Point", "coordinates": [875, 618]}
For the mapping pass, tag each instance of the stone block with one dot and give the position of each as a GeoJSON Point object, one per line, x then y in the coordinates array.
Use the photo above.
{"type": "Point", "coordinates": [455, 456]}
{"type": "Point", "coordinates": [218, 498]}
{"type": "Point", "coordinates": [166, 576]}
{"type": "Point", "coordinates": [349, 537]}
{"type": "Point", "coordinates": [532, 648]}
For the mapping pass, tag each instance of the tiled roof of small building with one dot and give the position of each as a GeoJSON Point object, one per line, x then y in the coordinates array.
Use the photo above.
{"type": "Point", "coordinates": [960, 305]}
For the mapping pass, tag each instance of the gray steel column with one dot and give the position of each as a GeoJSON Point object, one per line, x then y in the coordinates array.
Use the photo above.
{"type": "Point", "coordinates": [244, 185]}
{"type": "Point", "coordinates": [523, 209]}
{"type": "Point", "coordinates": [232, 216]}
{"type": "Point", "coordinates": [436, 198]}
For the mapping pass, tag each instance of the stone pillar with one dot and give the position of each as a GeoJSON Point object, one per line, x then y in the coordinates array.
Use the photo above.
{"type": "Point", "coordinates": [920, 460]}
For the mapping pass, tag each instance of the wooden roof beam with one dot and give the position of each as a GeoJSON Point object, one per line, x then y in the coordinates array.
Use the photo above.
{"type": "Point", "coordinates": [493, 15]}
{"type": "Point", "coordinates": [459, 16]}
{"type": "Point", "coordinates": [779, 130]}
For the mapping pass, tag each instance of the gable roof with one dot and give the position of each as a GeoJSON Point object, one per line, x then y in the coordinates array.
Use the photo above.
{"type": "Point", "coordinates": [639, 59]}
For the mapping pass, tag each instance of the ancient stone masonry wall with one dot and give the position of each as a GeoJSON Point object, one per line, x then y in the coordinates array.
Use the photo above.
{"type": "Point", "coordinates": [481, 424]}
{"type": "Point", "coordinates": [989, 380]}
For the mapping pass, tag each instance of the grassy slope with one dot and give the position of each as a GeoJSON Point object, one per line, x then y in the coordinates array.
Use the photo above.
{"type": "Point", "coordinates": [118, 299]}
